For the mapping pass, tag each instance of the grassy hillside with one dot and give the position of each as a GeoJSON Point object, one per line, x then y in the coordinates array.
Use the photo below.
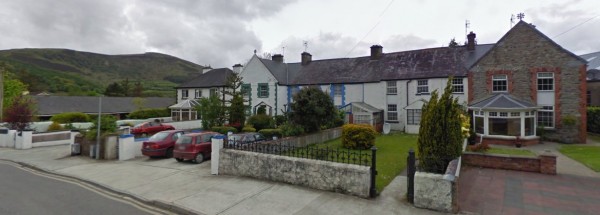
{"type": "Point", "coordinates": [62, 71]}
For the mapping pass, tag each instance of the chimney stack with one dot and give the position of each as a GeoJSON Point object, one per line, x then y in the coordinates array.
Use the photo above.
{"type": "Point", "coordinates": [376, 52]}
{"type": "Point", "coordinates": [206, 69]}
{"type": "Point", "coordinates": [306, 58]}
{"type": "Point", "coordinates": [237, 68]}
{"type": "Point", "coordinates": [471, 41]}
{"type": "Point", "coordinates": [277, 58]}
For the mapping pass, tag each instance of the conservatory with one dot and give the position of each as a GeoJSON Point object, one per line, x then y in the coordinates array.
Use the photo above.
{"type": "Point", "coordinates": [184, 110]}
{"type": "Point", "coordinates": [504, 119]}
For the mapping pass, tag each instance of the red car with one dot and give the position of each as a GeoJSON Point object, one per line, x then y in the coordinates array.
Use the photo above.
{"type": "Point", "coordinates": [194, 146]}
{"type": "Point", "coordinates": [150, 128]}
{"type": "Point", "coordinates": [161, 144]}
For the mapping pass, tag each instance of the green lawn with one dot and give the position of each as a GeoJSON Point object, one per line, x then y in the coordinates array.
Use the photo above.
{"type": "Point", "coordinates": [506, 151]}
{"type": "Point", "coordinates": [392, 151]}
{"type": "Point", "coordinates": [587, 155]}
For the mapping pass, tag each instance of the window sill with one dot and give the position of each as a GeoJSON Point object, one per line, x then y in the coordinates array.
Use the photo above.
{"type": "Point", "coordinates": [391, 94]}
{"type": "Point", "coordinates": [263, 97]}
{"type": "Point", "coordinates": [421, 94]}
{"type": "Point", "coordinates": [412, 124]}
{"type": "Point", "coordinates": [462, 93]}
{"type": "Point", "coordinates": [392, 121]}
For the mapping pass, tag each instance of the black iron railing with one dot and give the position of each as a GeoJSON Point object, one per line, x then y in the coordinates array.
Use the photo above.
{"type": "Point", "coordinates": [315, 152]}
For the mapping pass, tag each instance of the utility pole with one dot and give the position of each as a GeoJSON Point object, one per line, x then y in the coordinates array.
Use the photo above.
{"type": "Point", "coordinates": [98, 127]}
{"type": "Point", "coordinates": [2, 68]}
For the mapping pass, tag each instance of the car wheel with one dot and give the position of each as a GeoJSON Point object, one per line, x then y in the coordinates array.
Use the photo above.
{"type": "Point", "coordinates": [179, 159]}
{"type": "Point", "coordinates": [169, 153]}
{"type": "Point", "coordinates": [199, 158]}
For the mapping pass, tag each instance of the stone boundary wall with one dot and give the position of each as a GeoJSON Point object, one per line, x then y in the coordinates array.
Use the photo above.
{"type": "Point", "coordinates": [438, 192]}
{"type": "Point", "coordinates": [317, 174]}
{"type": "Point", "coordinates": [544, 163]}
{"type": "Point", "coordinates": [304, 140]}
{"type": "Point", "coordinates": [51, 136]}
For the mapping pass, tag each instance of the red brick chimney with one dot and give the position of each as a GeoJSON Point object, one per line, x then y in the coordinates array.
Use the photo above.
{"type": "Point", "coordinates": [376, 52]}
{"type": "Point", "coordinates": [471, 41]}
{"type": "Point", "coordinates": [306, 58]}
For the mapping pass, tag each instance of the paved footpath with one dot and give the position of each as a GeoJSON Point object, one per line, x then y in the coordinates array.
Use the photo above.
{"type": "Point", "coordinates": [192, 187]}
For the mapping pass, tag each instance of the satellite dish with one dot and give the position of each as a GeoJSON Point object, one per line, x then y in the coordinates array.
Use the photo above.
{"type": "Point", "coordinates": [386, 128]}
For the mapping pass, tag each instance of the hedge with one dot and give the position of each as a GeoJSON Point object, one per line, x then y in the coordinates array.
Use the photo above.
{"type": "Point", "coordinates": [270, 133]}
{"type": "Point", "coordinates": [261, 121]}
{"type": "Point", "coordinates": [223, 129]}
{"type": "Point", "coordinates": [150, 113]}
{"type": "Point", "coordinates": [70, 117]}
{"type": "Point", "coordinates": [358, 136]}
{"type": "Point", "coordinates": [593, 119]}
{"type": "Point", "coordinates": [248, 129]}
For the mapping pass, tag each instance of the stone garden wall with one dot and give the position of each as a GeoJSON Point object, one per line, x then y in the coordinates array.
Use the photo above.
{"type": "Point", "coordinates": [323, 175]}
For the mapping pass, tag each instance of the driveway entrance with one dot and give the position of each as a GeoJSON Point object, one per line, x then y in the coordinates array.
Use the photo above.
{"type": "Point", "coordinates": [493, 191]}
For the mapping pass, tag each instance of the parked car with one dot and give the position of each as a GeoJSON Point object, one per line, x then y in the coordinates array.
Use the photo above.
{"type": "Point", "coordinates": [161, 144]}
{"type": "Point", "coordinates": [245, 138]}
{"type": "Point", "coordinates": [194, 146]}
{"type": "Point", "coordinates": [149, 128]}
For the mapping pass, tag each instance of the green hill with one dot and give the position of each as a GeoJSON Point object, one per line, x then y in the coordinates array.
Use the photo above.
{"type": "Point", "coordinates": [69, 72]}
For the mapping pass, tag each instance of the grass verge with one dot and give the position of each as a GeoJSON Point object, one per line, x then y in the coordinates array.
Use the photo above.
{"type": "Point", "coordinates": [587, 155]}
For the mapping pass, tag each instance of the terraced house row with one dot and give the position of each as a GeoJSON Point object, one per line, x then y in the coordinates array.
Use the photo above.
{"type": "Point", "coordinates": [515, 88]}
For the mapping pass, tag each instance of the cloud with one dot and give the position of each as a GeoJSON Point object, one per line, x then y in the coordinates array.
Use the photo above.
{"type": "Point", "coordinates": [206, 32]}
{"type": "Point", "coordinates": [328, 45]}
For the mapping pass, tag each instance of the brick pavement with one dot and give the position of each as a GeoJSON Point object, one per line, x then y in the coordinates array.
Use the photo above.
{"type": "Point", "coordinates": [493, 191]}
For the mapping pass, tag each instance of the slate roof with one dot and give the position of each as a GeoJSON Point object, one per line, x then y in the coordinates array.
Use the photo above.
{"type": "Point", "coordinates": [212, 78]}
{"type": "Point", "coordinates": [50, 105]}
{"type": "Point", "coordinates": [414, 64]}
{"type": "Point", "coordinates": [593, 75]}
{"type": "Point", "coordinates": [502, 101]}
{"type": "Point", "coordinates": [593, 60]}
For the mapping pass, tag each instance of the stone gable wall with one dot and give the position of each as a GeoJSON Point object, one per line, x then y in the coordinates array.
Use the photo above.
{"type": "Point", "coordinates": [521, 55]}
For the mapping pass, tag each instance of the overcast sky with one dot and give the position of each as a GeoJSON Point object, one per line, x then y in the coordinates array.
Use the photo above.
{"type": "Point", "coordinates": [222, 33]}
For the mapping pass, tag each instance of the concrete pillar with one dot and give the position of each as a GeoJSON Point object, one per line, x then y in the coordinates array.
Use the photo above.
{"type": "Point", "coordinates": [126, 151]}
{"type": "Point", "coordinates": [217, 145]}
{"type": "Point", "coordinates": [24, 140]}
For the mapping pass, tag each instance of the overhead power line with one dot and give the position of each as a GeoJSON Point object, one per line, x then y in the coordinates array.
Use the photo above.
{"type": "Point", "coordinates": [373, 28]}
{"type": "Point", "coordinates": [590, 19]}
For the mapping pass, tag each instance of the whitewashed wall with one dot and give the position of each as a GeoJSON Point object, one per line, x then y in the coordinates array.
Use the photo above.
{"type": "Point", "coordinates": [256, 72]}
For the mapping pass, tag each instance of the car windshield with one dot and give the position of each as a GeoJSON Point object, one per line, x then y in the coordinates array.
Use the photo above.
{"type": "Point", "coordinates": [139, 125]}
{"type": "Point", "coordinates": [184, 140]}
{"type": "Point", "coordinates": [235, 137]}
{"type": "Point", "coordinates": [159, 136]}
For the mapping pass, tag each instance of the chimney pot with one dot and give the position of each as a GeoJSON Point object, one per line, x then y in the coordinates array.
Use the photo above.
{"type": "Point", "coordinates": [306, 58]}
{"type": "Point", "coordinates": [471, 41]}
{"type": "Point", "coordinates": [376, 52]}
{"type": "Point", "coordinates": [205, 69]}
{"type": "Point", "coordinates": [277, 58]}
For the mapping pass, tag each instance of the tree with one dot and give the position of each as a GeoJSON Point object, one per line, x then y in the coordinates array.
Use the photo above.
{"type": "Point", "coordinates": [211, 111]}
{"type": "Point", "coordinates": [312, 109]}
{"type": "Point", "coordinates": [139, 103]}
{"type": "Point", "coordinates": [10, 87]}
{"type": "Point", "coordinates": [138, 89]}
{"type": "Point", "coordinates": [440, 137]}
{"type": "Point", "coordinates": [236, 113]}
{"type": "Point", "coordinates": [453, 43]}
{"type": "Point", "coordinates": [20, 113]}
{"type": "Point", "coordinates": [114, 89]}
{"type": "Point", "coordinates": [126, 87]}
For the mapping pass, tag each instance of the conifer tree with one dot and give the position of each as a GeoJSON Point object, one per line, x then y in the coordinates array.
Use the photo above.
{"type": "Point", "coordinates": [440, 138]}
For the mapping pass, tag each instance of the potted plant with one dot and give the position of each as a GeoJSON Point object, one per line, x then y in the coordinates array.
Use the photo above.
{"type": "Point", "coordinates": [517, 141]}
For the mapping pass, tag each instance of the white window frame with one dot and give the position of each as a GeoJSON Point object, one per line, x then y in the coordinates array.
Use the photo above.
{"type": "Point", "coordinates": [392, 87]}
{"type": "Point", "coordinates": [544, 110]}
{"type": "Point", "coordinates": [458, 85]}
{"type": "Point", "coordinates": [392, 112]}
{"type": "Point", "coordinates": [411, 118]}
{"type": "Point", "coordinates": [213, 91]}
{"type": "Point", "coordinates": [197, 93]}
{"type": "Point", "coordinates": [545, 76]}
{"type": "Point", "coordinates": [337, 90]}
{"type": "Point", "coordinates": [184, 93]}
{"type": "Point", "coordinates": [422, 86]}
{"type": "Point", "coordinates": [496, 83]}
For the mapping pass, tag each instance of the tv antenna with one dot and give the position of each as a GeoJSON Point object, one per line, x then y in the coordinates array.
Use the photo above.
{"type": "Point", "coordinates": [305, 44]}
{"type": "Point", "coordinates": [521, 16]}
{"type": "Point", "coordinates": [283, 50]}
{"type": "Point", "coordinates": [467, 26]}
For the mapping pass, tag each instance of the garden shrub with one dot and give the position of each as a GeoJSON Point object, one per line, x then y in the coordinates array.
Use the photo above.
{"type": "Point", "coordinates": [248, 129]}
{"type": "Point", "coordinates": [108, 126]}
{"type": "Point", "coordinates": [224, 129]}
{"type": "Point", "coordinates": [358, 136]}
{"type": "Point", "coordinates": [55, 126]}
{"type": "Point", "coordinates": [150, 113]}
{"type": "Point", "coordinates": [270, 133]}
{"type": "Point", "coordinates": [440, 134]}
{"type": "Point", "coordinates": [593, 119]}
{"type": "Point", "coordinates": [70, 117]}
{"type": "Point", "coordinates": [280, 120]}
{"type": "Point", "coordinates": [261, 121]}
{"type": "Point", "coordinates": [569, 120]}
{"type": "Point", "coordinates": [313, 109]}
{"type": "Point", "coordinates": [290, 129]}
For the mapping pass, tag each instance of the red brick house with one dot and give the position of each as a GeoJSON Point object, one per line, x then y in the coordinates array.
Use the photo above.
{"type": "Point", "coordinates": [527, 86]}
